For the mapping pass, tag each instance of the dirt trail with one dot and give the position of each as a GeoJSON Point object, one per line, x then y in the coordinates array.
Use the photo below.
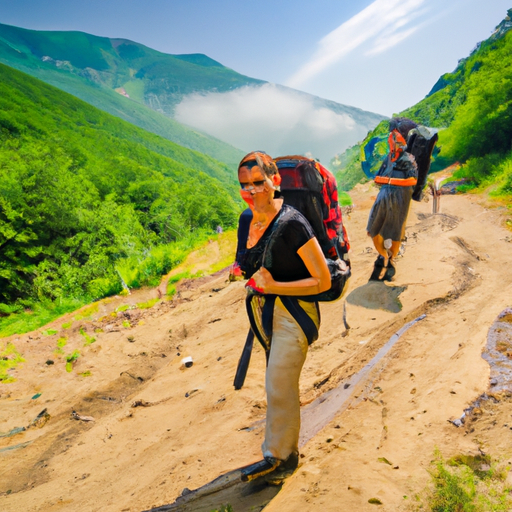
{"type": "Point", "coordinates": [159, 428]}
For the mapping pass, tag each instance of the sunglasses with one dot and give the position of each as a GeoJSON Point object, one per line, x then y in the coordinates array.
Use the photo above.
{"type": "Point", "coordinates": [258, 186]}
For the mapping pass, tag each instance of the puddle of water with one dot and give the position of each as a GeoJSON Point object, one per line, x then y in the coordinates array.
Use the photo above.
{"type": "Point", "coordinates": [13, 432]}
{"type": "Point", "coordinates": [377, 295]}
{"type": "Point", "coordinates": [321, 411]}
{"type": "Point", "coordinates": [498, 351]}
{"type": "Point", "coordinates": [15, 447]}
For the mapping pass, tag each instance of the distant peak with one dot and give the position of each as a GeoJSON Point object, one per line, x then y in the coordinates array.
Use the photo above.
{"type": "Point", "coordinates": [199, 59]}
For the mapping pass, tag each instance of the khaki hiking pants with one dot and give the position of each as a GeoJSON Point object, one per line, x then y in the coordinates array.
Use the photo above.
{"type": "Point", "coordinates": [287, 355]}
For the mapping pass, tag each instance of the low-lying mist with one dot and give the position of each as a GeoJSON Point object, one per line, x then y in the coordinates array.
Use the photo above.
{"type": "Point", "coordinates": [274, 119]}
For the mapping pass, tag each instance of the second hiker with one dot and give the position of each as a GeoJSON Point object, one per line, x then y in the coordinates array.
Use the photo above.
{"type": "Point", "coordinates": [397, 178]}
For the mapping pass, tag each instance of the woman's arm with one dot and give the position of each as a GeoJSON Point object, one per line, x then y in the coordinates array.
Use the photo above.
{"type": "Point", "coordinates": [320, 280]}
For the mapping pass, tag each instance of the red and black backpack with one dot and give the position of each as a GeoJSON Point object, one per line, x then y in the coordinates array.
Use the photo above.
{"type": "Point", "coordinates": [310, 188]}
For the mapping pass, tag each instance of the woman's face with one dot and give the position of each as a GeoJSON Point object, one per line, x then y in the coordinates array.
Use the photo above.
{"type": "Point", "coordinates": [256, 188]}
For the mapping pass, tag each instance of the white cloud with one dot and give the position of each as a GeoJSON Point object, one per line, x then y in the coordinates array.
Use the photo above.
{"type": "Point", "coordinates": [384, 43]}
{"type": "Point", "coordinates": [273, 119]}
{"type": "Point", "coordinates": [380, 16]}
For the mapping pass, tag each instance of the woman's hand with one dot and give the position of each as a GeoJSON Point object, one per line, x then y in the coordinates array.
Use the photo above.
{"type": "Point", "coordinates": [262, 281]}
{"type": "Point", "coordinates": [314, 260]}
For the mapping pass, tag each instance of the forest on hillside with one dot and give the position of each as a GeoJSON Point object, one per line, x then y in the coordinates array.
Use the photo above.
{"type": "Point", "coordinates": [90, 203]}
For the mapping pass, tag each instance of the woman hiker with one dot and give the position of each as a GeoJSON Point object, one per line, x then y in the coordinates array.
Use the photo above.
{"type": "Point", "coordinates": [282, 261]}
{"type": "Point", "coordinates": [397, 177]}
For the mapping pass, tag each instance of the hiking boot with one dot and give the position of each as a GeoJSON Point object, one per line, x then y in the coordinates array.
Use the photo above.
{"type": "Point", "coordinates": [261, 468]}
{"type": "Point", "coordinates": [284, 470]}
{"type": "Point", "coordinates": [390, 272]}
{"type": "Point", "coordinates": [276, 469]}
{"type": "Point", "coordinates": [377, 268]}
{"type": "Point", "coordinates": [379, 262]}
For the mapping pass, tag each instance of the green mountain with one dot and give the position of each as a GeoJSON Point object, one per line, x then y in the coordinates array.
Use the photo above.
{"type": "Point", "coordinates": [124, 78]}
{"type": "Point", "coordinates": [156, 91]}
{"type": "Point", "coordinates": [472, 107]}
{"type": "Point", "coordinates": [89, 202]}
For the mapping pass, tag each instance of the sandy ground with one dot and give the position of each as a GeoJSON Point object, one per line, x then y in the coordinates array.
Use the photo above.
{"type": "Point", "coordinates": [128, 428]}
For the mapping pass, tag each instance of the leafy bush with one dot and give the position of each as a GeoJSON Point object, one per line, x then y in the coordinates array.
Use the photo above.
{"type": "Point", "coordinates": [493, 170]}
{"type": "Point", "coordinates": [344, 199]}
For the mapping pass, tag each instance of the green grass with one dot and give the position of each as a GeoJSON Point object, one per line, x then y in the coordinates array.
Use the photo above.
{"type": "Point", "coordinates": [467, 483]}
{"type": "Point", "coordinates": [70, 359]}
{"type": "Point", "coordinates": [173, 280]}
{"type": "Point", "coordinates": [135, 89]}
{"type": "Point", "coordinates": [86, 313]}
{"type": "Point", "coordinates": [89, 340]}
{"type": "Point", "coordinates": [62, 342]}
{"type": "Point", "coordinates": [38, 315]}
{"type": "Point", "coordinates": [148, 304]}
{"type": "Point", "coordinates": [9, 358]}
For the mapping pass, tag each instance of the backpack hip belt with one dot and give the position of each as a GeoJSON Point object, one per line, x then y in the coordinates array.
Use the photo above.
{"type": "Point", "coordinates": [399, 182]}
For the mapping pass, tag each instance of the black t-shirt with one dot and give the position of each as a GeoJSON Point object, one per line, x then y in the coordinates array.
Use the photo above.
{"type": "Point", "coordinates": [285, 235]}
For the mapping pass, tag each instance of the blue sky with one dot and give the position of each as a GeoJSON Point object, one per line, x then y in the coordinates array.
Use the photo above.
{"type": "Point", "coordinates": [381, 55]}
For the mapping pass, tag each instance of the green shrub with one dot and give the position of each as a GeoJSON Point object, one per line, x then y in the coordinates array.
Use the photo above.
{"type": "Point", "coordinates": [344, 198]}
{"type": "Point", "coordinates": [467, 483]}
{"type": "Point", "coordinates": [88, 339]}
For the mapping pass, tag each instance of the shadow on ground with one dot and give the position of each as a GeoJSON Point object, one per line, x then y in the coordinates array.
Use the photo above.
{"type": "Point", "coordinates": [377, 295]}
{"type": "Point", "coordinates": [226, 489]}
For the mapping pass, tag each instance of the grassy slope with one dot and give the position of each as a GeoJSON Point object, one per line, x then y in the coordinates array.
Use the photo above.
{"type": "Point", "coordinates": [63, 103]}
{"type": "Point", "coordinates": [82, 191]}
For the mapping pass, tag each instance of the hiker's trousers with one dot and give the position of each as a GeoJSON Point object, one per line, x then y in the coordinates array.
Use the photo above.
{"type": "Point", "coordinates": [389, 213]}
{"type": "Point", "coordinates": [287, 355]}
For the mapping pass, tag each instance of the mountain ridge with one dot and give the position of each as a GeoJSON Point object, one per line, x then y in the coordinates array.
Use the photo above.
{"type": "Point", "coordinates": [81, 63]}
{"type": "Point", "coordinates": [86, 84]}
